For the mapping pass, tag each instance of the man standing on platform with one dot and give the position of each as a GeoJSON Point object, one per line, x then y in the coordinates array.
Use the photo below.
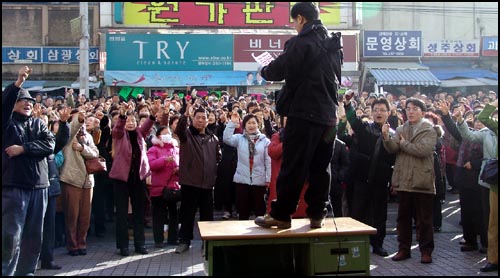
{"type": "Point", "coordinates": [311, 126]}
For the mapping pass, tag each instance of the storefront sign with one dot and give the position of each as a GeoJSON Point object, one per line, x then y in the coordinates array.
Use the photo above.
{"type": "Point", "coordinates": [490, 46]}
{"type": "Point", "coordinates": [166, 52]}
{"type": "Point", "coordinates": [451, 48]}
{"type": "Point", "coordinates": [216, 14]}
{"type": "Point", "coordinates": [46, 55]}
{"type": "Point", "coordinates": [392, 43]}
{"type": "Point", "coordinates": [175, 78]}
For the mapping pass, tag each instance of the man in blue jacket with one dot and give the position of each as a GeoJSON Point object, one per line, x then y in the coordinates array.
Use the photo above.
{"type": "Point", "coordinates": [26, 142]}
{"type": "Point", "coordinates": [310, 131]}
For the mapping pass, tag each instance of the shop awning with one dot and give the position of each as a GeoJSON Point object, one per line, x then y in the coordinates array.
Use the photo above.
{"type": "Point", "coordinates": [459, 70]}
{"type": "Point", "coordinates": [401, 74]}
{"type": "Point", "coordinates": [468, 82]}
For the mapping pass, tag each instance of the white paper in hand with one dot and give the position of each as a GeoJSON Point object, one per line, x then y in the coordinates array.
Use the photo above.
{"type": "Point", "coordinates": [263, 59]}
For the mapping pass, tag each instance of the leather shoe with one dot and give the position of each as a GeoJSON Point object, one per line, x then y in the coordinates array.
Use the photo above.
{"type": "Point", "coordinates": [468, 247]}
{"type": "Point", "coordinates": [426, 259]}
{"type": "Point", "coordinates": [489, 267]}
{"type": "Point", "coordinates": [317, 223]}
{"type": "Point", "coordinates": [73, 253]}
{"type": "Point", "coordinates": [267, 221]}
{"type": "Point", "coordinates": [400, 256]}
{"type": "Point", "coordinates": [82, 252]}
{"type": "Point", "coordinates": [380, 251]}
{"type": "Point", "coordinates": [50, 265]}
{"type": "Point", "coordinates": [124, 252]}
{"type": "Point", "coordinates": [141, 250]}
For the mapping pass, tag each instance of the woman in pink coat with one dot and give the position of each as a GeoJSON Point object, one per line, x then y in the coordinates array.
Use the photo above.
{"type": "Point", "coordinates": [164, 163]}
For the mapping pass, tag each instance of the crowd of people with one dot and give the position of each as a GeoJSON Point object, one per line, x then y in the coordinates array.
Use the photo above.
{"type": "Point", "coordinates": [219, 153]}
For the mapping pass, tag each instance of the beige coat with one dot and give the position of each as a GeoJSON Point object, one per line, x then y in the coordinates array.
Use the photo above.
{"type": "Point", "coordinates": [414, 167]}
{"type": "Point", "coordinates": [73, 169]}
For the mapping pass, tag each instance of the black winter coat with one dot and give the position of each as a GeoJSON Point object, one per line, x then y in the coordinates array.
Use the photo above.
{"type": "Point", "coordinates": [30, 169]}
{"type": "Point", "coordinates": [308, 76]}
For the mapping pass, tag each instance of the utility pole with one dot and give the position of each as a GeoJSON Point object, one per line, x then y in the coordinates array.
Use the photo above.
{"type": "Point", "coordinates": [84, 50]}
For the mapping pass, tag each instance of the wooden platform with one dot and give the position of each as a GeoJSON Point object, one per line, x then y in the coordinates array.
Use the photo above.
{"type": "Point", "coordinates": [247, 229]}
{"type": "Point", "coordinates": [235, 247]}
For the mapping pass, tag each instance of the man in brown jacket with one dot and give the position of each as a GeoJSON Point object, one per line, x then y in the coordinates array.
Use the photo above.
{"type": "Point", "coordinates": [413, 179]}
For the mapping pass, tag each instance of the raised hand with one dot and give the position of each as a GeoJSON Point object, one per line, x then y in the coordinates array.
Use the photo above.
{"type": "Point", "coordinates": [64, 114]}
{"type": "Point", "coordinates": [443, 106]}
{"type": "Point", "coordinates": [23, 74]}
{"type": "Point", "coordinates": [385, 131]}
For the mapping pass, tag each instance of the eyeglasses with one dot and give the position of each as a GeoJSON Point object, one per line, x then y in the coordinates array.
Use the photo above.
{"type": "Point", "coordinates": [25, 100]}
{"type": "Point", "coordinates": [414, 108]}
{"type": "Point", "coordinates": [379, 111]}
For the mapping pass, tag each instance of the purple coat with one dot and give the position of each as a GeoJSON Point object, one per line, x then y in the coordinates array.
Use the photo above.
{"type": "Point", "coordinates": [123, 150]}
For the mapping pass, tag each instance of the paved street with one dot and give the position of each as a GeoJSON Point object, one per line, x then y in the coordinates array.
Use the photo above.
{"type": "Point", "coordinates": [103, 258]}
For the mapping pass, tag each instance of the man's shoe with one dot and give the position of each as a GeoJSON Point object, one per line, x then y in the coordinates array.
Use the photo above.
{"type": "Point", "coordinates": [50, 265]}
{"type": "Point", "coordinates": [82, 252]}
{"type": "Point", "coordinates": [468, 247]}
{"type": "Point", "coordinates": [124, 252]}
{"type": "Point", "coordinates": [159, 245]}
{"type": "Point", "coordinates": [267, 221]}
{"type": "Point", "coordinates": [317, 223]}
{"type": "Point", "coordinates": [73, 253]}
{"type": "Point", "coordinates": [400, 256]}
{"type": "Point", "coordinates": [226, 215]}
{"type": "Point", "coordinates": [141, 250]}
{"type": "Point", "coordinates": [426, 259]}
{"type": "Point", "coordinates": [380, 251]}
{"type": "Point", "coordinates": [489, 267]}
{"type": "Point", "coordinates": [181, 248]}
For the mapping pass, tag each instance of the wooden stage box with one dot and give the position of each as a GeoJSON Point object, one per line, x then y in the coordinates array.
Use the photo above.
{"type": "Point", "coordinates": [242, 247]}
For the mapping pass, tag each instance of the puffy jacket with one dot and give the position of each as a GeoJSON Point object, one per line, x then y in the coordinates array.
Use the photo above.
{"type": "Point", "coordinates": [261, 170]}
{"type": "Point", "coordinates": [414, 167]}
{"type": "Point", "coordinates": [308, 76]}
{"type": "Point", "coordinates": [163, 173]}
{"type": "Point", "coordinates": [30, 169]}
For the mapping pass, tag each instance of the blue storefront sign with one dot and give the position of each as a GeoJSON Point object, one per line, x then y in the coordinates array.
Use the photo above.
{"type": "Point", "coordinates": [169, 52]}
{"type": "Point", "coordinates": [392, 43]}
{"type": "Point", "coordinates": [47, 55]}
{"type": "Point", "coordinates": [174, 78]}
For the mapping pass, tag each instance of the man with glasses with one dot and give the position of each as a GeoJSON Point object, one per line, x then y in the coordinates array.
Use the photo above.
{"type": "Point", "coordinates": [413, 179]}
{"type": "Point", "coordinates": [26, 142]}
{"type": "Point", "coordinates": [371, 170]}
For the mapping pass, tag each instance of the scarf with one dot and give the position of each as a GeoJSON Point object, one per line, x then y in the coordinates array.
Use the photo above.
{"type": "Point", "coordinates": [251, 138]}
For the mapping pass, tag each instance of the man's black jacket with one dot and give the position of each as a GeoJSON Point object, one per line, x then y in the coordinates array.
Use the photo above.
{"type": "Point", "coordinates": [28, 170]}
{"type": "Point", "coordinates": [308, 76]}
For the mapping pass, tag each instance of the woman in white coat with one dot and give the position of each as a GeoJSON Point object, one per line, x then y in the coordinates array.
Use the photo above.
{"type": "Point", "coordinates": [253, 171]}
